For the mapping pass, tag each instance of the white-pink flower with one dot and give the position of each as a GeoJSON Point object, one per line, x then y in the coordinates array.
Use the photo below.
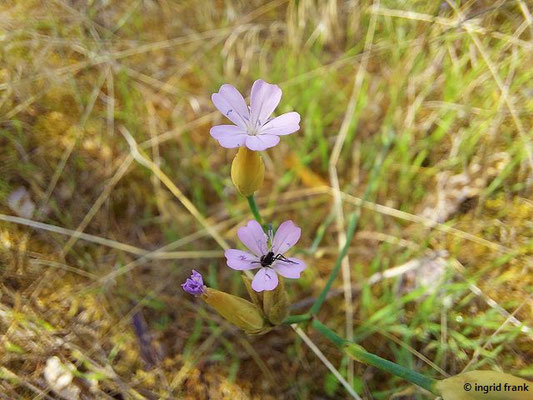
{"type": "Point", "coordinates": [269, 260]}
{"type": "Point", "coordinates": [253, 126]}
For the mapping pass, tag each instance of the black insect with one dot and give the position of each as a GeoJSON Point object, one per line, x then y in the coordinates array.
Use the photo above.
{"type": "Point", "coordinates": [268, 259]}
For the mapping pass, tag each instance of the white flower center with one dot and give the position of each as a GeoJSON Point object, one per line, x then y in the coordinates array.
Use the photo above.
{"type": "Point", "coordinates": [253, 128]}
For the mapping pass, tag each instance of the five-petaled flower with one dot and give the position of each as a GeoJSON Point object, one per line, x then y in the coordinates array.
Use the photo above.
{"type": "Point", "coordinates": [195, 284]}
{"type": "Point", "coordinates": [270, 260]}
{"type": "Point", "coordinates": [253, 126]}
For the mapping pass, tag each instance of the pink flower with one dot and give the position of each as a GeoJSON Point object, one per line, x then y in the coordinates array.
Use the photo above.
{"type": "Point", "coordinates": [270, 261]}
{"type": "Point", "coordinates": [253, 126]}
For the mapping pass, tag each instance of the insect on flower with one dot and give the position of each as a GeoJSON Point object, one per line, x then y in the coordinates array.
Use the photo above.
{"type": "Point", "coordinates": [254, 128]}
{"type": "Point", "coordinates": [269, 260]}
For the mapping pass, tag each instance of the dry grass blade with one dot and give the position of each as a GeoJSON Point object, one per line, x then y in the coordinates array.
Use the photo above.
{"type": "Point", "coordinates": [492, 303]}
{"type": "Point", "coordinates": [325, 361]}
{"type": "Point", "coordinates": [504, 93]}
{"type": "Point", "coordinates": [334, 179]}
{"type": "Point", "coordinates": [92, 280]}
{"type": "Point", "coordinates": [121, 171]}
{"type": "Point", "coordinates": [510, 318]}
{"type": "Point", "coordinates": [143, 160]}
{"type": "Point", "coordinates": [396, 213]}
{"type": "Point", "coordinates": [451, 23]}
{"type": "Point", "coordinates": [110, 243]}
{"type": "Point", "coordinates": [68, 232]}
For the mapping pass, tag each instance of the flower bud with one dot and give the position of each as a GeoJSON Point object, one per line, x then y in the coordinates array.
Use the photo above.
{"type": "Point", "coordinates": [247, 171]}
{"type": "Point", "coordinates": [236, 310]}
{"type": "Point", "coordinates": [484, 385]}
{"type": "Point", "coordinates": [276, 303]}
{"type": "Point", "coordinates": [195, 284]}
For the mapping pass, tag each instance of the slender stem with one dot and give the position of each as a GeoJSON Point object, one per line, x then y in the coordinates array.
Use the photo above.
{"type": "Point", "coordinates": [367, 358]}
{"type": "Point", "coordinates": [254, 209]}
{"type": "Point", "coordinates": [328, 333]}
{"type": "Point", "coordinates": [294, 319]}
{"type": "Point", "coordinates": [360, 354]}
{"type": "Point", "coordinates": [352, 226]}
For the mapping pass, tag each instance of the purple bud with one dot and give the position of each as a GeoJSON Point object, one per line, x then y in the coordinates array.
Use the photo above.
{"type": "Point", "coordinates": [195, 284]}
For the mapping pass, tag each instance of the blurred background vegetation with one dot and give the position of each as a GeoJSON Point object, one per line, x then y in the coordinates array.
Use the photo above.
{"type": "Point", "coordinates": [94, 245]}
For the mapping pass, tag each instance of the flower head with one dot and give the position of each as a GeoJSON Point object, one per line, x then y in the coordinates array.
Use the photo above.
{"type": "Point", "coordinates": [253, 126]}
{"type": "Point", "coordinates": [195, 284]}
{"type": "Point", "coordinates": [269, 260]}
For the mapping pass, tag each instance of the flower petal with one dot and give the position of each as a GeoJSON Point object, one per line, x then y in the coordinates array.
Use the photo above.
{"type": "Point", "coordinates": [264, 99]}
{"type": "Point", "coordinates": [229, 136]}
{"type": "Point", "coordinates": [230, 102]}
{"type": "Point", "coordinates": [265, 279]}
{"type": "Point", "coordinates": [261, 142]}
{"type": "Point", "coordinates": [289, 270]}
{"type": "Point", "coordinates": [254, 238]}
{"type": "Point", "coordinates": [234, 97]}
{"type": "Point", "coordinates": [195, 284]}
{"type": "Point", "coordinates": [285, 124]}
{"type": "Point", "coordinates": [286, 236]}
{"type": "Point", "coordinates": [241, 260]}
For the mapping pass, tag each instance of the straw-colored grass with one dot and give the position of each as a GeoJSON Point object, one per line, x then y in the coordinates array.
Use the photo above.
{"type": "Point", "coordinates": [104, 131]}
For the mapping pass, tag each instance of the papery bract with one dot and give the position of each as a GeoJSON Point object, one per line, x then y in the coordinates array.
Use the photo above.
{"type": "Point", "coordinates": [247, 171]}
{"type": "Point", "coordinates": [238, 311]}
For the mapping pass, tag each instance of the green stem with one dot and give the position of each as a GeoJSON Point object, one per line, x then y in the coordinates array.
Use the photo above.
{"type": "Point", "coordinates": [328, 333]}
{"type": "Point", "coordinates": [294, 319]}
{"type": "Point", "coordinates": [336, 268]}
{"type": "Point", "coordinates": [360, 354]}
{"type": "Point", "coordinates": [352, 226]}
{"type": "Point", "coordinates": [254, 209]}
